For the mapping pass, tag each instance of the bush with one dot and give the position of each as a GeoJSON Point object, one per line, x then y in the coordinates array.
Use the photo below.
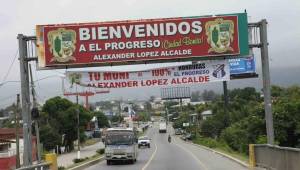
{"type": "Point", "coordinates": [236, 138]}
{"type": "Point", "coordinates": [208, 142]}
{"type": "Point", "coordinates": [80, 160]}
{"type": "Point", "coordinates": [100, 151]}
{"type": "Point", "coordinates": [61, 168]}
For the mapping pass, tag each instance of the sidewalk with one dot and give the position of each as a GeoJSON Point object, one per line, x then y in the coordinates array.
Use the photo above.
{"type": "Point", "coordinates": [66, 160]}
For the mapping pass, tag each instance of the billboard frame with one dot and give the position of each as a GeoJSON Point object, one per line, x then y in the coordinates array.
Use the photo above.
{"type": "Point", "coordinates": [242, 37]}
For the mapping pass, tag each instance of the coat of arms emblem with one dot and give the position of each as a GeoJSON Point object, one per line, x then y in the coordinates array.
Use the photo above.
{"type": "Point", "coordinates": [62, 45]}
{"type": "Point", "coordinates": [74, 78]}
{"type": "Point", "coordinates": [220, 35]}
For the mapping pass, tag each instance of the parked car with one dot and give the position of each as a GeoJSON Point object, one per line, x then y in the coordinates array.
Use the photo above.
{"type": "Point", "coordinates": [186, 136]}
{"type": "Point", "coordinates": [178, 131]}
{"type": "Point", "coordinates": [144, 141]}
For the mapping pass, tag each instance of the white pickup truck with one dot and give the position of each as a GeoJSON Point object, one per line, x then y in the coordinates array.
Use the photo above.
{"type": "Point", "coordinates": [144, 141]}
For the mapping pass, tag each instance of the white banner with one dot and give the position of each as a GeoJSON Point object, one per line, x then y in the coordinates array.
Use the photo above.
{"type": "Point", "coordinates": [202, 72]}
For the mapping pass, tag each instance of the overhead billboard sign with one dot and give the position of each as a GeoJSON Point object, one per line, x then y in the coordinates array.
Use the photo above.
{"type": "Point", "coordinates": [203, 72]}
{"type": "Point", "coordinates": [242, 65]}
{"type": "Point", "coordinates": [175, 93]}
{"type": "Point", "coordinates": [140, 41]}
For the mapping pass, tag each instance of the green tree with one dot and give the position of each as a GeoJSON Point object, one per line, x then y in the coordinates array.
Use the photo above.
{"type": "Point", "coordinates": [117, 118]}
{"type": "Point", "coordinates": [277, 91]}
{"type": "Point", "coordinates": [1, 113]}
{"type": "Point", "coordinates": [69, 122]}
{"type": "Point", "coordinates": [50, 137]}
{"type": "Point", "coordinates": [286, 109]}
{"type": "Point", "coordinates": [183, 118]}
{"type": "Point", "coordinates": [102, 119]}
{"type": "Point", "coordinates": [213, 126]}
{"type": "Point", "coordinates": [143, 116]}
{"type": "Point", "coordinates": [60, 116]}
{"type": "Point", "coordinates": [209, 95]}
{"type": "Point", "coordinates": [240, 134]}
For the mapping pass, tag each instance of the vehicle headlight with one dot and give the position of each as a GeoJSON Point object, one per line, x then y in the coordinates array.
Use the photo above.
{"type": "Point", "coordinates": [108, 151]}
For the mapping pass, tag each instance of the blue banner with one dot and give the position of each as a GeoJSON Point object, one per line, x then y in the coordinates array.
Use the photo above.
{"type": "Point", "coordinates": [242, 65]}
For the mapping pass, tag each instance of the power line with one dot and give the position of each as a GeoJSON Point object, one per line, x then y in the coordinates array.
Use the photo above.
{"type": "Point", "coordinates": [8, 71]}
{"type": "Point", "coordinates": [6, 98]}
{"type": "Point", "coordinates": [46, 78]}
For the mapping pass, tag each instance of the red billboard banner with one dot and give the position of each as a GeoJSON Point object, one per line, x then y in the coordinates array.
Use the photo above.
{"type": "Point", "coordinates": [107, 43]}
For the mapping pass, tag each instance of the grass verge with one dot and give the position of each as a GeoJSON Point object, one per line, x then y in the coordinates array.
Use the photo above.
{"type": "Point", "coordinates": [96, 156]}
{"type": "Point", "coordinates": [220, 147]}
{"type": "Point", "coordinates": [89, 142]}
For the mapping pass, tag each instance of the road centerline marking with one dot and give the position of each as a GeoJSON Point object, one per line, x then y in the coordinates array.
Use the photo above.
{"type": "Point", "coordinates": [152, 156]}
{"type": "Point", "coordinates": [191, 153]}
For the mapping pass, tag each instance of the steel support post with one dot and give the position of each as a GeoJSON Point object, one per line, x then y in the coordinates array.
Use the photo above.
{"type": "Point", "coordinates": [225, 89]}
{"type": "Point", "coordinates": [266, 81]}
{"type": "Point", "coordinates": [24, 76]}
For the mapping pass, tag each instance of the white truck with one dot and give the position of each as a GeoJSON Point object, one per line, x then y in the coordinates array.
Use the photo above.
{"type": "Point", "coordinates": [162, 127]}
{"type": "Point", "coordinates": [121, 144]}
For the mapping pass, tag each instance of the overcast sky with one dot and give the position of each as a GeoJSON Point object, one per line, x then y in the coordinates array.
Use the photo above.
{"type": "Point", "coordinates": [17, 16]}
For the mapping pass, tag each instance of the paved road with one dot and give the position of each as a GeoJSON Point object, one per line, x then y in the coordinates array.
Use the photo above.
{"type": "Point", "coordinates": [66, 160]}
{"type": "Point", "coordinates": [175, 156]}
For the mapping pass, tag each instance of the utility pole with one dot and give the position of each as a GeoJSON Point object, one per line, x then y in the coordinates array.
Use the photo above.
{"type": "Point", "coordinates": [266, 81]}
{"type": "Point", "coordinates": [167, 115]}
{"type": "Point", "coordinates": [119, 110]}
{"type": "Point", "coordinates": [17, 125]}
{"type": "Point", "coordinates": [27, 153]}
{"type": "Point", "coordinates": [180, 102]}
{"type": "Point", "coordinates": [78, 131]}
{"type": "Point", "coordinates": [35, 109]}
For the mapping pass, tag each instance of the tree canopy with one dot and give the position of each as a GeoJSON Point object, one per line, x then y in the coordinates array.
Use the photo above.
{"type": "Point", "coordinates": [58, 119]}
{"type": "Point", "coordinates": [244, 120]}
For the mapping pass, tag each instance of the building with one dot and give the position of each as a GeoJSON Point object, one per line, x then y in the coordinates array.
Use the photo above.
{"type": "Point", "coordinates": [206, 114]}
{"type": "Point", "coordinates": [8, 148]}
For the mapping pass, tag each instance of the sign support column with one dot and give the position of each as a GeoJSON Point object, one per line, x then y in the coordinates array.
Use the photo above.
{"type": "Point", "coordinates": [266, 81]}
{"type": "Point", "coordinates": [225, 89]}
{"type": "Point", "coordinates": [24, 76]}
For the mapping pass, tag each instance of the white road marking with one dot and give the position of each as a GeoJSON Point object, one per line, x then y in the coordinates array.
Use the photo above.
{"type": "Point", "coordinates": [152, 156]}
{"type": "Point", "coordinates": [195, 157]}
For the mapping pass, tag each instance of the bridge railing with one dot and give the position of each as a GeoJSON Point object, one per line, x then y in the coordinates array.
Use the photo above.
{"type": "Point", "coordinates": [276, 157]}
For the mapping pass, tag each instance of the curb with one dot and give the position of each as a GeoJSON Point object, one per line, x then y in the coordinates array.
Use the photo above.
{"type": "Point", "coordinates": [220, 153]}
{"type": "Point", "coordinates": [87, 164]}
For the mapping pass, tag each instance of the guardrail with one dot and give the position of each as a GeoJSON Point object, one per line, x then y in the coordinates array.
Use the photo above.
{"type": "Point", "coordinates": [41, 166]}
{"type": "Point", "coordinates": [50, 164]}
{"type": "Point", "coordinates": [276, 157]}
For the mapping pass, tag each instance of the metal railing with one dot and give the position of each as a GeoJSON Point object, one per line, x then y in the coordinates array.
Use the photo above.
{"type": "Point", "coordinates": [41, 166]}
{"type": "Point", "coordinates": [276, 157]}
